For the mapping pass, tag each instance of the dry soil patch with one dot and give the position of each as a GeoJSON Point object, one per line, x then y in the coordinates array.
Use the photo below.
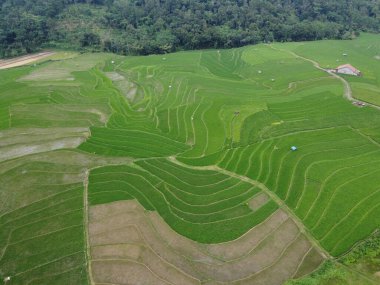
{"type": "Point", "coordinates": [258, 201]}
{"type": "Point", "coordinates": [128, 241]}
{"type": "Point", "coordinates": [239, 247]}
{"type": "Point", "coordinates": [23, 60]}
{"type": "Point", "coordinates": [124, 272]}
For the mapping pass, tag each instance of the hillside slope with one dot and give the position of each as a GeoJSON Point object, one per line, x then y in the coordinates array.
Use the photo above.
{"type": "Point", "coordinates": [151, 26]}
{"type": "Point", "coordinates": [172, 167]}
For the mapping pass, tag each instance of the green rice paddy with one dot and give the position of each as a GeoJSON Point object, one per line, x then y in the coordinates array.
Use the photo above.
{"type": "Point", "coordinates": [179, 143]}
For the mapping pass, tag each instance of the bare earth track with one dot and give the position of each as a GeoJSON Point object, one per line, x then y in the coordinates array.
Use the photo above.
{"type": "Point", "coordinates": [23, 60]}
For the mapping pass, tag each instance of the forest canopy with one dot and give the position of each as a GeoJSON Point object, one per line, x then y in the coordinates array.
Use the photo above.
{"type": "Point", "coordinates": [160, 26]}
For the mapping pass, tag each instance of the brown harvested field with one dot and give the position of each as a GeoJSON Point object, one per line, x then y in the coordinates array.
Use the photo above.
{"type": "Point", "coordinates": [124, 272]}
{"type": "Point", "coordinates": [258, 201]}
{"type": "Point", "coordinates": [311, 260]}
{"type": "Point", "coordinates": [144, 255]}
{"type": "Point", "coordinates": [128, 242]}
{"type": "Point", "coordinates": [233, 250]}
{"type": "Point", "coordinates": [117, 236]}
{"type": "Point", "coordinates": [23, 60]}
{"type": "Point", "coordinates": [264, 255]}
{"type": "Point", "coordinates": [283, 269]}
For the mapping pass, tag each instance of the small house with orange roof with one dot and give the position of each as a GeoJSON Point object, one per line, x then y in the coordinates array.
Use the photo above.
{"type": "Point", "coordinates": [347, 69]}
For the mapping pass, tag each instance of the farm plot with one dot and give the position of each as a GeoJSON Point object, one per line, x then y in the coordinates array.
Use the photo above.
{"type": "Point", "coordinates": [42, 234]}
{"type": "Point", "coordinates": [192, 106]}
{"type": "Point", "coordinates": [364, 55]}
{"type": "Point", "coordinates": [331, 182]}
{"type": "Point", "coordinates": [206, 206]}
{"type": "Point", "coordinates": [254, 211]}
{"type": "Point", "coordinates": [25, 141]}
{"type": "Point", "coordinates": [129, 244]}
{"type": "Point", "coordinates": [41, 190]}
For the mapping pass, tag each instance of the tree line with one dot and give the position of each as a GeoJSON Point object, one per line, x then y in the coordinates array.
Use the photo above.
{"type": "Point", "coordinates": [158, 26]}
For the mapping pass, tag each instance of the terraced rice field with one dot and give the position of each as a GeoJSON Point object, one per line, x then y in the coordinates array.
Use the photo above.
{"type": "Point", "coordinates": [177, 168]}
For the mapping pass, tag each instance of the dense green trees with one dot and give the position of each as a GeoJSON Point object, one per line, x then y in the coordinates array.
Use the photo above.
{"type": "Point", "coordinates": [159, 26]}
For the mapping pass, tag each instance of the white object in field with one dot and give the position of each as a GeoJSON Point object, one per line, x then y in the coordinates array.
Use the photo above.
{"type": "Point", "coordinates": [112, 62]}
{"type": "Point", "coordinates": [345, 54]}
{"type": "Point", "coordinates": [6, 279]}
{"type": "Point", "coordinates": [259, 72]}
{"type": "Point", "coordinates": [164, 58]}
{"type": "Point", "coordinates": [273, 79]}
{"type": "Point", "coordinates": [170, 86]}
{"type": "Point", "coordinates": [293, 148]}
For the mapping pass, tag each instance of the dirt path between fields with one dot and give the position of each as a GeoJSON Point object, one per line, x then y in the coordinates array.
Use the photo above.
{"type": "Point", "coordinates": [23, 60]}
{"type": "Point", "coordinates": [347, 93]}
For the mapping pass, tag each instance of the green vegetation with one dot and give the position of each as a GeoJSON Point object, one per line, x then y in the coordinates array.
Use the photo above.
{"type": "Point", "coordinates": [193, 136]}
{"type": "Point", "coordinates": [360, 266]}
{"type": "Point", "coordinates": [41, 209]}
{"type": "Point", "coordinates": [150, 26]}
{"type": "Point", "coordinates": [41, 234]}
{"type": "Point", "coordinates": [205, 206]}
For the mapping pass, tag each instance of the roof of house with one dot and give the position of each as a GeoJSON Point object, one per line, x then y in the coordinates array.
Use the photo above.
{"type": "Point", "coordinates": [353, 69]}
